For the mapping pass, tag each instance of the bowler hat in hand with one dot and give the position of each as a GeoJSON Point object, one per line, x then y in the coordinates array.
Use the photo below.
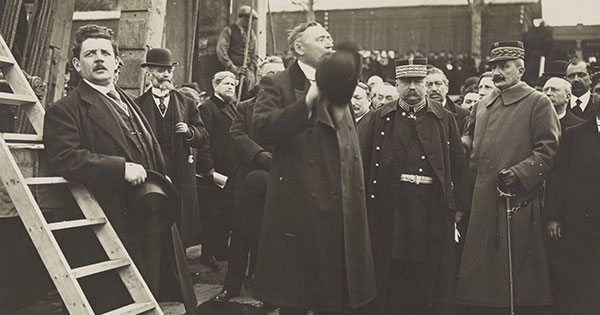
{"type": "Point", "coordinates": [154, 204]}
{"type": "Point", "coordinates": [337, 75]}
{"type": "Point", "coordinates": [160, 57]}
{"type": "Point", "coordinates": [255, 184]}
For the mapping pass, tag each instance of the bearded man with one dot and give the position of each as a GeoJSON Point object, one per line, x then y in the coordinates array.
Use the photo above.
{"type": "Point", "coordinates": [176, 122]}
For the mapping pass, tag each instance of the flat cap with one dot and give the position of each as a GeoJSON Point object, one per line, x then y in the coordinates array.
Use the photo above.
{"type": "Point", "coordinates": [245, 11]}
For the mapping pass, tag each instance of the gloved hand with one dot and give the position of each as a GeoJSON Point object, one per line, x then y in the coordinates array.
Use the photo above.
{"type": "Point", "coordinates": [264, 160]}
{"type": "Point", "coordinates": [508, 180]}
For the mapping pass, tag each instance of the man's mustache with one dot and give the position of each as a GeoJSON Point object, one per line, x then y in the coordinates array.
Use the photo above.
{"type": "Point", "coordinates": [99, 66]}
{"type": "Point", "coordinates": [498, 78]}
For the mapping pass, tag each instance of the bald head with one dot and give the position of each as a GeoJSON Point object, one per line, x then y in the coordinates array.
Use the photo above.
{"type": "Point", "coordinates": [559, 92]}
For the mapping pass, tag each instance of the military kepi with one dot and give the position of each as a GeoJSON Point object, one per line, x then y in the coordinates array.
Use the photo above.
{"type": "Point", "coordinates": [507, 50]}
{"type": "Point", "coordinates": [411, 68]}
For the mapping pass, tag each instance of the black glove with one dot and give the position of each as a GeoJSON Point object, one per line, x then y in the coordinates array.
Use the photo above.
{"type": "Point", "coordinates": [507, 179]}
{"type": "Point", "coordinates": [264, 160]}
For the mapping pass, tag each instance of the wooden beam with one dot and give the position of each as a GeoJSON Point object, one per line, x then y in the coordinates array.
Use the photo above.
{"type": "Point", "coordinates": [59, 50]}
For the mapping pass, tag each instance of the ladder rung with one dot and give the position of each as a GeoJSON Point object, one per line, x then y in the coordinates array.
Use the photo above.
{"type": "Point", "coordinates": [131, 309]}
{"type": "Point", "coordinates": [25, 137]}
{"type": "Point", "coordinates": [75, 223]}
{"type": "Point", "coordinates": [45, 180]}
{"type": "Point", "coordinates": [16, 99]}
{"type": "Point", "coordinates": [6, 61]}
{"type": "Point", "coordinates": [99, 267]}
{"type": "Point", "coordinates": [21, 145]}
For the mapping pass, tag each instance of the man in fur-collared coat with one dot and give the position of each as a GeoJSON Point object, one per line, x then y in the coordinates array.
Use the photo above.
{"type": "Point", "coordinates": [515, 139]}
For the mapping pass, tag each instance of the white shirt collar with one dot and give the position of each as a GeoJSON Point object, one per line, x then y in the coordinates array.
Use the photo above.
{"type": "Point", "coordinates": [219, 97]}
{"type": "Point", "coordinates": [585, 98]}
{"type": "Point", "coordinates": [560, 116]}
{"type": "Point", "coordinates": [598, 123]}
{"type": "Point", "coordinates": [159, 92]}
{"type": "Point", "coordinates": [100, 88]}
{"type": "Point", "coordinates": [309, 71]}
{"type": "Point", "coordinates": [361, 116]}
{"type": "Point", "coordinates": [444, 102]}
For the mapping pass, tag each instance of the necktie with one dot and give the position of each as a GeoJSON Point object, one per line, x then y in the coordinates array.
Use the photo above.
{"type": "Point", "coordinates": [115, 96]}
{"type": "Point", "coordinates": [577, 108]}
{"type": "Point", "coordinates": [161, 106]}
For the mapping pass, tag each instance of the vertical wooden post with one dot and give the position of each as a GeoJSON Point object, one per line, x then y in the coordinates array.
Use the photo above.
{"type": "Point", "coordinates": [59, 50]}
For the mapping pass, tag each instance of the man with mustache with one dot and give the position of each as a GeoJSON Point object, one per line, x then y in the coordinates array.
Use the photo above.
{"type": "Point", "coordinates": [216, 155]}
{"type": "Point", "coordinates": [175, 120]}
{"type": "Point", "coordinates": [383, 93]}
{"type": "Point", "coordinates": [578, 74]}
{"type": "Point", "coordinates": [314, 248]}
{"type": "Point", "coordinates": [361, 104]}
{"type": "Point", "coordinates": [416, 192]}
{"type": "Point", "coordinates": [98, 136]}
{"type": "Point", "coordinates": [437, 89]}
{"type": "Point", "coordinates": [514, 142]}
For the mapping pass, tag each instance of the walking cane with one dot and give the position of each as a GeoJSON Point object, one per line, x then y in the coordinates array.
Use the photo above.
{"type": "Point", "coordinates": [509, 212]}
{"type": "Point", "coordinates": [244, 63]}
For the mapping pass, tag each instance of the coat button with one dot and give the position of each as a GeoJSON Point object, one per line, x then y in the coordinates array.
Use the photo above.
{"type": "Point", "coordinates": [377, 148]}
{"type": "Point", "coordinates": [387, 119]}
{"type": "Point", "coordinates": [403, 113]}
{"type": "Point", "coordinates": [422, 157]}
{"type": "Point", "coordinates": [372, 196]}
{"type": "Point", "coordinates": [540, 174]}
{"type": "Point", "coordinates": [448, 142]}
{"type": "Point", "coordinates": [374, 182]}
{"type": "Point", "coordinates": [280, 178]}
{"type": "Point", "coordinates": [376, 164]}
{"type": "Point", "coordinates": [382, 133]}
{"type": "Point", "coordinates": [541, 164]}
{"type": "Point", "coordinates": [420, 170]}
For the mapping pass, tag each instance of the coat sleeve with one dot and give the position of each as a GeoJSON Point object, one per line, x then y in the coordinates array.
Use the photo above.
{"type": "Point", "coordinates": [196, 124]}
{"type": "Point", "coordinates": [244, 146]}
{"type": "Point", "coordinates": [204, 160]}
{"type": "Point", "coordinates": [458, 167]}
{"type": "Point", "coordinates": [67, 156]}
{"type": "Point", "coordinates": [273, 120]}
{"type": "Point", "coordinates": [223, 47]}
{"type": "Point", "coordinates": [555, 202]}
{"type": "Point", "coordinates": [544, 134]}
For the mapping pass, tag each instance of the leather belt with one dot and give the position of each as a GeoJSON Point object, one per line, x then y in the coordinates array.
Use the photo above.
{"type": "Point", "coordinates": [416, 179]}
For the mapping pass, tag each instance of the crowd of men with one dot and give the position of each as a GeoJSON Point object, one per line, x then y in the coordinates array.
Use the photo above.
{"type": "Point", "coordinates": [329, 194]}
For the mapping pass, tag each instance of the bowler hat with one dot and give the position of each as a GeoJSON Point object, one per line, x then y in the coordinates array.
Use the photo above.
{"type": "Point", "coordinates": [337, 75]}
{"type": "Point", "coordinates": [255, 184]}
{"type": "Point", "coordinates": [160, 57]}
{"type": "Point", "coordinates": [154, 204]}
{"type": "Point", "coordinates": [507, 50]}
{"type": "Point", "coordinates": [556, 68]}
{"type": "Point", "coordinates": [411, 68]}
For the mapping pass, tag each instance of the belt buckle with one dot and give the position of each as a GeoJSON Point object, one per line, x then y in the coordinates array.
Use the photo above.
{"type": "Point", "coordinates": [412, 179]}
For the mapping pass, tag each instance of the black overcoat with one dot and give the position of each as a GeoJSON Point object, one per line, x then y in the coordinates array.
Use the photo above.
{"type": "Point", "coordinates": [314, 217]}
{"type": "Point", "coordinates": [184, 110]}
{"type": "Point", "coordinates": [572, 200]}
{"type": "Point", "coordinates": [439, 136]}
{"type": "Point", "coordinates": [247, 210]}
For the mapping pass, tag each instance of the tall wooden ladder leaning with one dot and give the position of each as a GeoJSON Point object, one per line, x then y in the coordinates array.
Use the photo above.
{"type": "Point", "coordinates": [40, 231]}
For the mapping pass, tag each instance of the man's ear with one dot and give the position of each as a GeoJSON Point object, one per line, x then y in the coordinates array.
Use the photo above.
{"type": "Point", "coordinates": [298, 48]}
{"type": "Point", "coordinates": [76, 65]}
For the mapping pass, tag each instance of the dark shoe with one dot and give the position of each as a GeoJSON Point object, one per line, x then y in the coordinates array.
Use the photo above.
{"type": "Point", "coordinates": [225, 296]}
{"type": "Point", "coordinates": [210, 262]}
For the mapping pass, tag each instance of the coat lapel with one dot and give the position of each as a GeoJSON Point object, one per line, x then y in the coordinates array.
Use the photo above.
{"type": "Point", "coordinates": [103, 116]}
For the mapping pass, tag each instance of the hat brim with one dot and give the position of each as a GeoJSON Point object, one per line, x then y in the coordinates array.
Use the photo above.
{"type": "Point", "coordinates": [146, 64]}
{"type": "Point", "coordinates": [502, 58]}
{"type": "Point", "coordinates": [553, 74]}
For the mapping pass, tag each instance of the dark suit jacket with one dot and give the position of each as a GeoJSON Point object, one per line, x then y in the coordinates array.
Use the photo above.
{"type": "Point", "coordinates": [460, 113]}
{"type": "Point", "coordinates": [184, 110]}
{"type": "Point", "coordinates": [362, 125]}
{"type": "Point", "coordinates": [588, 113]}
{"type": "Point", "coordinates": [569, 120]}
{"type": "Point", "coordinates": [217, 152]}
{"type": "Point", "coordinates": [572, 200]}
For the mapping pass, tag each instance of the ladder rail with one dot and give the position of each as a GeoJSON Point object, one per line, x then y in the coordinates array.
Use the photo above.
{"type": "Point", "coordinates": [40, 234]}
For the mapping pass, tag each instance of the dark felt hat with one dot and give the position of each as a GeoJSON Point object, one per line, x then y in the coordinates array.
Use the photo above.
{"type": "Point", "coordinates": [411, 68]}
{"type": "Point", "coordinates": [160, 57]}
{"type": "Point", "coordinates": [557, 68]}
{"type": "Point", "coordinates": [154, 204]}
{"type": "Point", "coordinates": [255, 184]}
{"type": "Point", "coordinates": [507, 50]}
{"type": "Point", "coordinates": [337, 75]}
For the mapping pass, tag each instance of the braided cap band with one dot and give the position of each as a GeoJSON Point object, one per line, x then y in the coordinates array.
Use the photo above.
{"type": "Point", "coordinates": [411, 68]}
{"type": "Point", "coordinates": [507, 53]}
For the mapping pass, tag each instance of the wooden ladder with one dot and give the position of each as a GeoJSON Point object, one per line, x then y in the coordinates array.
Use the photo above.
{"type": "Point", "coordinates": [40, 231]}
